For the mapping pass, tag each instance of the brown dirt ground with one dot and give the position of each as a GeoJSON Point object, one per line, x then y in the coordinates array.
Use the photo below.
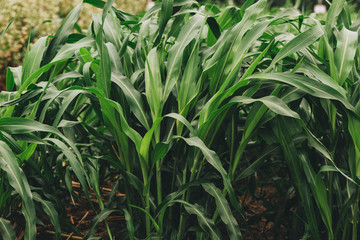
{"type": "Point", "coordinates": [264, 229]}
{"type": "Point", "coordinates": [81, 214]}
{"type": "Point", "coordinates": [2, 83]}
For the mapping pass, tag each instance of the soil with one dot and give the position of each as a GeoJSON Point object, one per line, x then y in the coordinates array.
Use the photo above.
{"type": "Point", "coordinates": [261, 227]}
{"type": "Point", "coordinates": [2, 83]}
{"type": "Point", "coordinates": [80, 213]}
{"type": "Point", "coordinates": [262, 223]}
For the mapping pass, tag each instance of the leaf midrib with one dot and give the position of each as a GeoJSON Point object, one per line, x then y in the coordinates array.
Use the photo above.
{"type": "Point", "coordinates": [5, 228]}
{"type": "Point", "coordinates": [343, 57]}
{"type": "Point", "coordinates": [137, 103]}
{"type": "Point", "coordinates": [223, 206]}
{"type": "Point", "coordinates": [177, 53]}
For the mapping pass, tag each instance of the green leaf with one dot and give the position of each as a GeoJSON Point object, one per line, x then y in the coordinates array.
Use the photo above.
{"type": "Point", "coordinates": [76, 164]}
{"type": "Point", "coordinates": [165, 15]}
{"type": "Point", "coordinates": [188, 86]}
{"type": "Point", "coordinates": [230, 44]}
{"type": "Point", "coordinates": [230, 16]}
{"type": "Point", "coordinates": [68, 50]}
{"type": "Point", "coordinates": [8, 98]}
{"type": "Point", "coordinates": [31, 79]}
{"type": "Point", "coordinates": [114, 58]}
{"type": "Point", "coordinates": [13, 77]}
{"type": "Point", "coordinates": [214, 160]}
{"type": "Point", "coordinates": [295, 167]}
{"type": "Point", "coordinates": [62, 34]}
{"type": "Point", "coordinates": [224, 211]}
{"type": "Point", "coordinates": [331, 18]}
{"type": "Point", "coordinates": [6, 28]}
{"type": "Point", "coordinates": [255, 165]}
{"type": "Point", "coordinates": [206, 223]}
{"type": "Point", "coordinates": [327, 48]}
{"type": "Point", "coordinates": [33, 58]}
{"type": "Point", "coordinates": [133, 98]}
{"type": "Point", "coordinates": [319, 190]}
{"type": "Point", "coordinates": [315, 72]}
{"type": "Point", "coordinates": [95, 3]}
{"type": "Point", "coordinates": [300, 42]}
{"type": "Point", "coordinates": [214, 31]}
{"type": "Point", "coordinates": [23, 126]}
{"type": "Point", "coordinates": [307, 85]}
{"type": "Point", "coordinates": [6, 229]}
{"type": "Point", "coordinates": [65, 105]}
{"type": "Point", "coordinates": [157, 228]}
{"type": "Point", "coordinates": [111, 29]}
{"type": "Point", "coordinates": [153, 84]}
{"type": "Point", "coordinates": [275, 104]}
{"type": "Point", "coordinates": [51, 212]}
{"type": "Point", "coordinates": [347, 43]}
{"type": "Point", "coordinates": [103, 81]}
{"type": "Point", "coordinates": [67, 75]}
{"type": "Point", "coordinates": [18, 181]}
{"type": "Point", "coordinates": [146, 141]}
{"type": "Point", "coordinates": [228, 86]}
{"type": "Point", "coordinates": [129, 224]}
{"type": "Point", "coordinates": [354, 130]}
{"type": "Point", "coordinates": [189, 32]}
{"type": "Point", "coordinates": [95, 222]}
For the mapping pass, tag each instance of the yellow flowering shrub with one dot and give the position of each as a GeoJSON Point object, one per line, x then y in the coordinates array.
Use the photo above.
{"type": "Point", "coordinates": [32, 13]}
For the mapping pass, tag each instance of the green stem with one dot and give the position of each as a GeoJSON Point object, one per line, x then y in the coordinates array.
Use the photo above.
{"type": "Point", "coordinates": [147, 200]}
{"type": "Point", "coordinates": [346, 227]}
{"type": "Point", "coordinates": [158, 182]}
{"type": "Point", "coordinates": [356, 216]}
{"type": "Point", "coordinates": [158, 170]}
{"type": "Point", "coordinates": [102, 207]}
{"type": "Point", "coordinates": [173, 184]}
{"type": "Point", "coordinates": [147, 208]}
{"type": "Point", "coordinates": [187, 197]}
{"type": "Point", "coordinates": [182, 215]}
{"type": "Point", "coordinates": [237, 157]}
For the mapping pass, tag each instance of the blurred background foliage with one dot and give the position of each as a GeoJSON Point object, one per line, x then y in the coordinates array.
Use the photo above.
{"type": "Point", "coordinates": [41, 17]}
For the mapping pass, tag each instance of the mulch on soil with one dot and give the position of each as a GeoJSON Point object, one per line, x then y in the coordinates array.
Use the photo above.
{"type": "Point", "coordinates": [81, 214]}
{"type": "Point", "coordinates": [262, 225]}
{"type": "Point", "coordinates": [2, 84]}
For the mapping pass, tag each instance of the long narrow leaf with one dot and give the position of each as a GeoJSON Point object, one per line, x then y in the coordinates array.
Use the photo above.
{"type": "Point", "coordinates": [33, 58]}
{"type": "Point", "coordinates": [224, 211]}
{"type": "Point", "coordinates": [298, 43]}
{"type": "Point", "coordinates": [6, 229]}
{"type": "Point", "coordinates": [347, 43]}
{"type": "Point", "coordinates": [18, 181]}
{"type": "Point", "coordinates": [62, 34]}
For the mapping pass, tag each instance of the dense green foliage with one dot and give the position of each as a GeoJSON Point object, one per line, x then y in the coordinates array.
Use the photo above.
{"type": "Point", "coordinates": [183, 107]}
{"type": "Point", "coordinates": [39, 18]}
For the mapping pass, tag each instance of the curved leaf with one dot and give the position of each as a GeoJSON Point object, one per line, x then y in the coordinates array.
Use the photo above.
{"type": "Point", "coordinates": [6, 229]}
{"type": "Point", "coordinates": [298, 43]}
{"type": "Point", "coordinates": [51, 212]}
{"type": "Point", "coordinates": [206, 223]}
{"type": "Point", "coordinates": [224, 211]}
{"type": "Point", "coordinates": [347, 43]}
{"type": "Point", "coordinates": [133, 98]}
{"type": "Point", "coordinates": [18, 181]}
{"type": "Point", "coordinates": [95, 222]}
{"type": "Point", "coordinates": [33, 58]}
{"type": "Point", "coordinates": [307, 85]}
{"type": "Point", "coordinates": [190, 31]}
{"type": "Point", "coordinates": [62, 34]}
